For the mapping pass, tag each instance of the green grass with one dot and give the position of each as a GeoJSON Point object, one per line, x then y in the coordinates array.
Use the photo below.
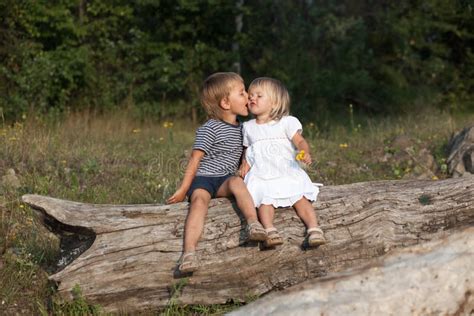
{"type": "Point", "coordinates": [118, 160]}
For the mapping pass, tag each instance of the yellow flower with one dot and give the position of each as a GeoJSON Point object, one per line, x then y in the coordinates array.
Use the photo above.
{"type": "Point", "coordinates": [300, 155]}
{"type": "Point", "coordinates": [344, 145]}
{"type": "Point", "coordinates": [434, 177]}
{"type": "Point", "coordinates": [167, 124]}
{"type": "Point", "coordinates": [136, 130]}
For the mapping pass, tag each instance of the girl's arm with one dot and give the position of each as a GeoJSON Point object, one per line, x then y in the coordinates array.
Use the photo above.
{"type": "Point", "coordinates": [301, 144]}
{"type": "Point", "coordinates": [191, 169]}
{"type": "Point", "coordinates": [244, 165]}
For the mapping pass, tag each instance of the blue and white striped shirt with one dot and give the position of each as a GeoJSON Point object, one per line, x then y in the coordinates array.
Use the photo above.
{"type": "Point", "coordinates": [222, 145]}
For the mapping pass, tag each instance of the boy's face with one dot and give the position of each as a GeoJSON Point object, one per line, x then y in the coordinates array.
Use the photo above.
{"type": "Point", "coordinates": [237, 99]}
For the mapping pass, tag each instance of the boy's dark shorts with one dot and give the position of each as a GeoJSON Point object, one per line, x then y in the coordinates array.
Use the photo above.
{"type": "Point", "coordinates": [210, 184]}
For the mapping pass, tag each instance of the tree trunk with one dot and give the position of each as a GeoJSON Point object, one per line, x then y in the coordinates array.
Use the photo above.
{"type": "Point", "coordinates": [461, 153]}
{"type": "Point", "coordinates": [238, 30]}
{"type": "Point", "coordinates": [435, 278]}
{"type": "Point", "coordinates": [132, 250]}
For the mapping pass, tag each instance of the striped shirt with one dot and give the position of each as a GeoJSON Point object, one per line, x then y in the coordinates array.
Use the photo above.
{"type": "Point", "coordinates": [222, 144]}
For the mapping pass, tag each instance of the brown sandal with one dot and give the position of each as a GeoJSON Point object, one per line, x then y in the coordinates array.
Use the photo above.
{"type": "Point", "coordinates": [256, 231]}
{"type": "Point", "coordinates": [273, 238]}
{"type": "Point", "coordinates": [315, 237]}
{"type": "Point", "coordinates": [188, 262]}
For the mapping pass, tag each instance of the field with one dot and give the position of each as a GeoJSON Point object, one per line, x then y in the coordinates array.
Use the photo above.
{"type": "Point", "coordinates": [118, 160]}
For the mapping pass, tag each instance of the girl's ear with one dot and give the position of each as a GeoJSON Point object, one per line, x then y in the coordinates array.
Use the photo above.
{"type": "Point", "coordinates": [224, 104]}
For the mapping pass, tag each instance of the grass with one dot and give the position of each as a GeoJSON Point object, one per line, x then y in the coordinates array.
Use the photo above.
{"type": "Point", "coordinates": [118, 160]}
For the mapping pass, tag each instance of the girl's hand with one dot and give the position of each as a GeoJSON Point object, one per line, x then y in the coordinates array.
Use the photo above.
{"type": "Point", "coordinates": [244, 169]}
{"type": "Point", "coordinates": [177, 197]}
{"type": "Point", "coordinates": [304, 157]}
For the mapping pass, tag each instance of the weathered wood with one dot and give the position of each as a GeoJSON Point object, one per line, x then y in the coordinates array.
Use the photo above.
{"type": "Point", "coordinates": [131, 262]}
{"type": "Point", "coordinates": [461, 153]}
{"type": "Point", "coordinates": [434, 278]}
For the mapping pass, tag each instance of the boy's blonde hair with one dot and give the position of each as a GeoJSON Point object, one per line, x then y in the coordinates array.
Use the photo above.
{"type": "Point", "coordinates": [278, 95]}
{"type": "Point", "coordinates": [214, 89]}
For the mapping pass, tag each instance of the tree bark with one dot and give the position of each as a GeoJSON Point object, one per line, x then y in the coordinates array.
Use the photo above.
{"type": "Point", "coordinates": [132, 250]}
{"type": "Point", "coordinates": [434, 278]}
{"type": "Point", "coordinates": [461, 153]}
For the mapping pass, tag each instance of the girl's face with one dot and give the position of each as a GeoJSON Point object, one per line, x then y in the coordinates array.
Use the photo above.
{"type": "Point", "coordinates": [260, 103]}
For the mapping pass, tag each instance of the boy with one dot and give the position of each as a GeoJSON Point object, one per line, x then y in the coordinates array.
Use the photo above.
{"type": "Point", "coordinates": [215, 158]}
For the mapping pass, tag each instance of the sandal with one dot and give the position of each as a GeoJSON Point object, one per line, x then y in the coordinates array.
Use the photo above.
{"type": "Point", "coordinates": [273, 238]}
{"type": "Point", "coordinates": [188, 262]}
{"type": "Point", "coordinates": [315, 237]}
{"type": "Point", "coordinates": [256, 231]}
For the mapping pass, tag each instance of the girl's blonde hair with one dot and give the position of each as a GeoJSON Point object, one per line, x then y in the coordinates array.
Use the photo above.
{"type": "Point", "coordinates": [278, 95]}
{"type": "Point", "coordinates": [214, 89]}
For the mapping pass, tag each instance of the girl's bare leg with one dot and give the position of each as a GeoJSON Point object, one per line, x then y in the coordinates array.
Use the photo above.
{"type": "Point", "coordinates": [266, 213]}
{"type": "Point", "coordinates": [305, 211]}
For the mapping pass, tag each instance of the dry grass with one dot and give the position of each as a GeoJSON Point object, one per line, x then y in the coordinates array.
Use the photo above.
{"type": "Point", "coordinates": [118, 160]}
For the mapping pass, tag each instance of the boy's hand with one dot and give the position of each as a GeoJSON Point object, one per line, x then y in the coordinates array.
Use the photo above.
{"type": "Point", "coordinates": [177, 197]}
{"type": "Point", "coordinates": [244, 169]}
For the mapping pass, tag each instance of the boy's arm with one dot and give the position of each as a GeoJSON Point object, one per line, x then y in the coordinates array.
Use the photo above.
{"type": "Point", "coordinates": [191, 169]}
{"type": "Point", "coordinates": [301, 144]}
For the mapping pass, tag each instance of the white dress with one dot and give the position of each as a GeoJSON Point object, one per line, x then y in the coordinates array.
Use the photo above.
{"type": "Point", "coordinates": [275, 177]}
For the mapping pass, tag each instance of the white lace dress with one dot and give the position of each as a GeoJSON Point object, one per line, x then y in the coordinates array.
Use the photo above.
{"type": "Point", "coordinates": [275, 177]}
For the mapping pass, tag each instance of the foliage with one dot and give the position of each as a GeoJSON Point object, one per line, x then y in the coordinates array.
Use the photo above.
{"type": "Point", "coordinates": [151, 56]}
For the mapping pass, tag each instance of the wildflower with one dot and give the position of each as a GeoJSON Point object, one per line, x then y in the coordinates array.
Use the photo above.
{"type": "Point", "coordinates": [161, 139]}
{"type": "Point", "coordinates": [136, 130]}
{"type": "Point", "coordinates": [300, 155]}
{"type": "Point", "coordinates": [434, 177]}
{"type": "Point", "coordinates": [167, 124]}
{"type": "Point", "coordinates": [22, 206]}
{"type": "Point", "coordinates": [343, 145]}
{"type": "Point", "coordinates": [311, 124]}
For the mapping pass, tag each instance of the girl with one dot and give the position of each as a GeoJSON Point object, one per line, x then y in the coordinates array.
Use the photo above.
{"type": "Point", "coordinates": [270, 170]}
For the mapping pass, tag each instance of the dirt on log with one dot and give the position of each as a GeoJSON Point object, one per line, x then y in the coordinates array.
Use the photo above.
{"type": "Point", "coordinates": [125, 255]}
{"type": "Point", "coordinates": [434, 278]}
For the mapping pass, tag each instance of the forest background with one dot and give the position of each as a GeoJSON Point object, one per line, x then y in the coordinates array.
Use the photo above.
{"type": "Point", "coordinates": [151, 56]}
{"type": "Point", "coordinates": [97, 99]}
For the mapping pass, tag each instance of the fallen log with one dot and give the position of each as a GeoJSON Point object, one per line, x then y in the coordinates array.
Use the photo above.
{"type": "Point", "coordinates": [130, 251]}
{"type": "Point", "coordinates": [434, 278]}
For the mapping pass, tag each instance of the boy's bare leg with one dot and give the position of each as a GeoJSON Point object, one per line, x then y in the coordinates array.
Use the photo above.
{"type": "Point", "coordinates": [266, 213]}
{"type": "Point", "coordinates": [195, 220]}
{"type": "Point", "coordinates": [235, 186]}
{"type": "Point", "coordinates": [305, 211]}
